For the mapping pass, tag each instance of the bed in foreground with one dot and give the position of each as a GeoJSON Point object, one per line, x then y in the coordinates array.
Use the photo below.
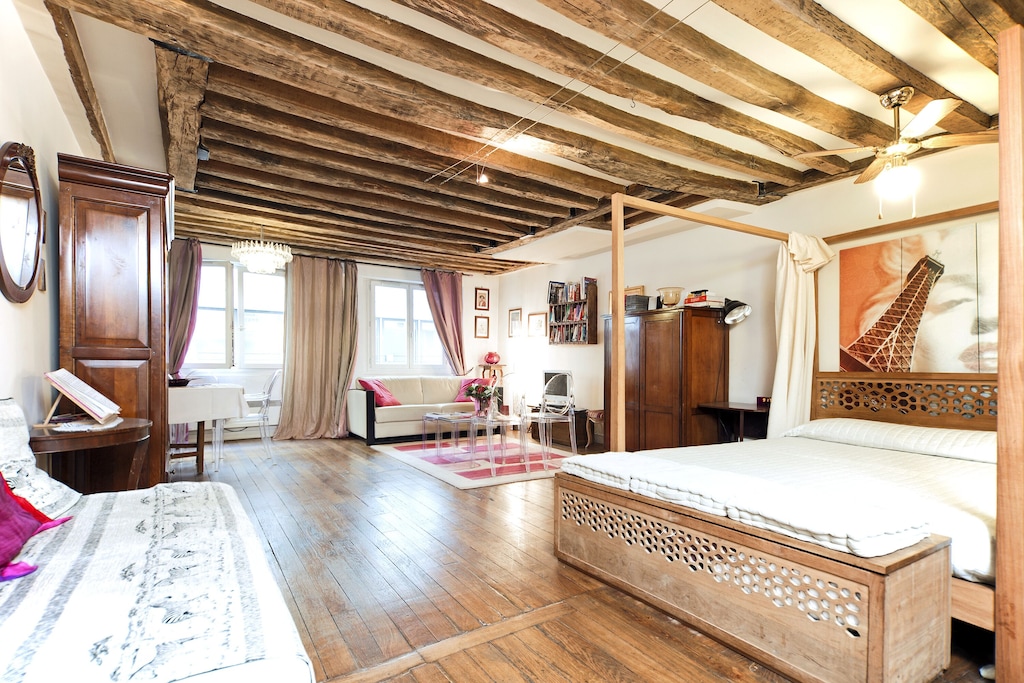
{"type": "Point", "coordinates": [812, 554]}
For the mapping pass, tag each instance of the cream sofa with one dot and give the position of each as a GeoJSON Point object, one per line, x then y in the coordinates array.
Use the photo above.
{"type": "Point", "coordinates": [418, 396]}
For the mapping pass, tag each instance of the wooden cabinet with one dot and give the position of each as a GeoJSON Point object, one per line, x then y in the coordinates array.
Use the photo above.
{"type": "Point", "coordinates": [675, 360]}
{"type": "Point", "coordinates": [113, 238]}
{"type": "Point", "coordinates": [573, 318]}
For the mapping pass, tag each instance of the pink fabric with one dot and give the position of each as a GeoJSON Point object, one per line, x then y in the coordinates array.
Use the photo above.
{"type": "Point", "coordinates": [444, 296]}
{"type": "Point", "coordinates": [382, 397]}
{"type": "Point", "coordinates": [16, 527]}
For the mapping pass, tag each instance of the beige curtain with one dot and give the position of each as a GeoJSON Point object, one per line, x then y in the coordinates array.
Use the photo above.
{"type": "Point", "coordinates": [795, 315]}
{"type": "Point", "coordinates": [320, 350]}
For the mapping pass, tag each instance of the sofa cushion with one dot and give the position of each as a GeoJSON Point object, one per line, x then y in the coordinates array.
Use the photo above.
{"type": "Point", "coordinates": [402, 413]}
{"type": "Point", "coordinates": [460, 396]}
{"type": "Point", "coordinates": [440, 389]}
{"type": "Point", "coordinates": [381, 395]}
{"type": "Point", "coordinates": [406, 389]}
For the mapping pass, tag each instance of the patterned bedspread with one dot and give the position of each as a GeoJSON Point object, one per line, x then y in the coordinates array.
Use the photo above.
{"type": "Point", "coordinates": [161, 584]}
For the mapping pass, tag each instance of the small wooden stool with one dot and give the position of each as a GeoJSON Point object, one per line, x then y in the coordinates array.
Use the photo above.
{"type": "Point", "coordinates": [593, 417]}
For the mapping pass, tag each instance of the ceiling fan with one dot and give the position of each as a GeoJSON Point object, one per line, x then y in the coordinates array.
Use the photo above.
{"type": "Point", "coordinates": [909, 139]}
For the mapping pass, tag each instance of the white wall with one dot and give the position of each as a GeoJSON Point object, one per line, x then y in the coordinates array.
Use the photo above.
{"type": "Point", "coordinates": [31, 115]}
{"type": "Point", "coordinates": [732, 264]}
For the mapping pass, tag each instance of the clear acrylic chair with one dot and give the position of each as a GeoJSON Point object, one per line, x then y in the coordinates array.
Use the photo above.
{"type": "Point", "coordinates": [258, 418]}
{"type": "Point", "coordinates": [551, 414]}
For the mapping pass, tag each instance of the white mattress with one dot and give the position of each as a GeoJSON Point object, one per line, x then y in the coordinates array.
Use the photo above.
{"type": "Point", "coordinates": [809, 486]}
{"type": "Point", "coordinates": [161, 584]}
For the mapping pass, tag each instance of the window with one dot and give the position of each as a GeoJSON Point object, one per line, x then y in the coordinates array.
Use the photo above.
{"type": "Point", "coordinates": [403, 333]}
{"type": "Point", "coordinates": [240, 322]}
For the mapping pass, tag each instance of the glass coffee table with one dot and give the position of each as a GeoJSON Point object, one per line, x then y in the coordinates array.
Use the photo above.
{"type": "Point", "coordinates": [447, 422]}
{"type": "Point", "coordinates": [500, 424]}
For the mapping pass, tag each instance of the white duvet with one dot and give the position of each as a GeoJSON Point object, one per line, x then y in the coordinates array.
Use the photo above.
{"type": "Point", "coordinates": [839, 483]}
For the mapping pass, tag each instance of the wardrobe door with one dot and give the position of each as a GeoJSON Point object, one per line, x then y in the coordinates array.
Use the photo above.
{"type": "Point", "coordinates": [661, 379]}
{"type": "Point", "coordinates": [112, 250]}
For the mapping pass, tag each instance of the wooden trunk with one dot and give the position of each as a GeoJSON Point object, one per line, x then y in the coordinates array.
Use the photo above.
{"type": "Point", "coordinates": [675, 359]}
{"type": "Point", "coordinates": [113, 244]}
{"type": "Point", "coordinates": [808, 612]}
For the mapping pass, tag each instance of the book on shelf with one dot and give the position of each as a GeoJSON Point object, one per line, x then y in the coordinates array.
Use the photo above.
{"type": "Point", "coordinates": [95, 404]}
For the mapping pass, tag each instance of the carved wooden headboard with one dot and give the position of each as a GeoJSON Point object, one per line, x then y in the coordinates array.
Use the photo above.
{"type": "Point", "coordinates": [956, 401]}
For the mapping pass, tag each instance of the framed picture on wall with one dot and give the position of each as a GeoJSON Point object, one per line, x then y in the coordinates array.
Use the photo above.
{"type": "Point", "coordinates": [482, 299]}
{"type": "Point", "coordinates": [515, 322]}
{"type": "Point", "coordinates": [537, 324]}
{"type": "Point", "coordinates": [483, 327]}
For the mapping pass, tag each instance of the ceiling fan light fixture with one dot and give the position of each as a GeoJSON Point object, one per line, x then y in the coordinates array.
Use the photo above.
{"type": "Point", "coordinates": [898, 181]}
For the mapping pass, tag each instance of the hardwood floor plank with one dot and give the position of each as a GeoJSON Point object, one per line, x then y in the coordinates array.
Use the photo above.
{"type": "Point", "coordinates": [392, 575]}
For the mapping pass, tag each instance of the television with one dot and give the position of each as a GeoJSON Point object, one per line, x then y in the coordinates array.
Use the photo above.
{"type": "Point", "coordinates": [559, 392]}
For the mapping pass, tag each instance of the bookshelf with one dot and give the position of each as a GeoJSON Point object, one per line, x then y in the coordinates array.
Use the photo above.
{"type": "Point", "coordinates": [572, 312]}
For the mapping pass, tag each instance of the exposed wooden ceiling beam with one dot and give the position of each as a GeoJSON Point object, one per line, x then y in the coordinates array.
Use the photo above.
{"type": "Point", "coordinates": [961, 26]}
{"type": "Point", "coordinates": [65, 26]}
{"type": "Point", "coordinates": [809, 28]}
{"type": "Point", "coordinates": [215, 133]}
{"type": "Point", "coordinates": [181, 87]}
{"type": "Point", "coordinates": [247, 98]}
{"type": "Point", "coordinates": [377, 31]}
{"type": "Point", "coordinates": [661, 39]}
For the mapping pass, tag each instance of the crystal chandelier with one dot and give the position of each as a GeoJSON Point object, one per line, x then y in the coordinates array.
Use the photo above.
{"type": "Point", "coordinates": [261, 257]}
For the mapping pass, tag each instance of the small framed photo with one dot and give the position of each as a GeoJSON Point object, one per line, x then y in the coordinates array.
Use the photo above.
{"type": "Point", "coordinates": [515, 322]}
{"type": "Point", "coordinates": [482, 299]}
{"type": "Point", "coordinates": [483, 327]}
{"type": "Point", "coordinates": [537, 324]}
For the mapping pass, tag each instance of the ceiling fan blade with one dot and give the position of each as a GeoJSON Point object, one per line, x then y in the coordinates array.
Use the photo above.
{"type": "Point", "coordinates": [829, 152]}
{"type": "Point", "coordinates": [959, 139]}
{"type": "Point", "coordinates": [933, 112]}
{"type": "Point", "coordinates": [872, 171]}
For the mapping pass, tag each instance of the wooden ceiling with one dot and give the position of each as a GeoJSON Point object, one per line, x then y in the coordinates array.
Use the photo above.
{"type": "Point", "coordinates": [360, 134]}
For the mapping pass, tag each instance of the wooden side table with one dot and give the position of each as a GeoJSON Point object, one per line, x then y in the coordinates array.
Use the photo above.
{"type": "Point", "coordinates": [47, 440]}
{"type": "Point", "coordinates": [737, 413]}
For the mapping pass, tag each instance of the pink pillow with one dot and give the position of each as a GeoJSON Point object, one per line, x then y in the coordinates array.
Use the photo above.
{"type": "Point", "coordinates": [461, 397]}
{"type": "Point", "coordinates": [16, 526]}
{"type": "Point", "coordinates": [382, 397]}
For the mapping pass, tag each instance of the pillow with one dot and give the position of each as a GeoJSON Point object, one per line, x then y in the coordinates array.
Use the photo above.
{"type": "Point", "coordinates": [963, 444]}
{"type": "Point", "coordinates": [460, 396]}
{"type": "Point", "coordinates": [382, 397]}
{"type": "Point", "coordinates": [16, 527]}
{"type": "Point", "coordinates": [18, 466]}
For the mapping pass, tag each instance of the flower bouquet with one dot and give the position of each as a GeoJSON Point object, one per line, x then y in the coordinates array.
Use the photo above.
{"type": "Point", "coordinates": [481, 393]}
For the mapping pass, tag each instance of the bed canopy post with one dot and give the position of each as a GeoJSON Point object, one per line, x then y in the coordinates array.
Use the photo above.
{"type": "Point", "coordinates": [617, 393]}
{"type": "Point", "coordinates": [1009, 609]}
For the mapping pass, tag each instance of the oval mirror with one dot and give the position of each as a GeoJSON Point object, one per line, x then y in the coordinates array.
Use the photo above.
{"type": "Point", "coordinates": [21, 226]}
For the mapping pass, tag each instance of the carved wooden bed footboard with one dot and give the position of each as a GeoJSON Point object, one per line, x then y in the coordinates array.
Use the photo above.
{"type": "Point", "coordinates": [808, 612]}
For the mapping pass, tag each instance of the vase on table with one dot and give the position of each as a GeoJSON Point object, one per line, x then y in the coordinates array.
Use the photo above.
{"type": "Point", "coordinates": [483, 406]}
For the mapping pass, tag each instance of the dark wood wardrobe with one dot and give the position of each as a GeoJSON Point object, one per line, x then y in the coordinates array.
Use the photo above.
{"type": "Point", "coordinates": [114, 225]}
{"type": "Point", "coordinates": [675, 359]}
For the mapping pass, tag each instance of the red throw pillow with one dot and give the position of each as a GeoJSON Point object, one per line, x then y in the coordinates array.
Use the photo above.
{"type": "Point", "coordinates": [382, 397]}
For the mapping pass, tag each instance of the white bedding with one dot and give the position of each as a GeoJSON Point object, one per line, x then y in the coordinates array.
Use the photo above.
{"type": "Point", "coordinates": [161, 584]}
{"type": "Point", "coordinates": [846, 496]}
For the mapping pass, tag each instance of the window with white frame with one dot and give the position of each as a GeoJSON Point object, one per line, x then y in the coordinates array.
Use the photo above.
{"type": "Point", "coordinates": [403, 335]}
{"type": "Point", "coordinates": [240, 322]}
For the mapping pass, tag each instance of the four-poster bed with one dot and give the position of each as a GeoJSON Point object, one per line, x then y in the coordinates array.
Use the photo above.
{"type": "Point", "coordinates": [884, 657]}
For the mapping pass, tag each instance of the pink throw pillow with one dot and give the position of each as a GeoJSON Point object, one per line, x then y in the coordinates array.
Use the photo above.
{"type": "Point", "coordinates": [382, 397]}
{"type": "Point", "coordinates": [16, 527]}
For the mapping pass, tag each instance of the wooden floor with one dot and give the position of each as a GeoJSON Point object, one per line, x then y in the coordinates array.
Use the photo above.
{"type": "Point", "coordinates": [393, 575]}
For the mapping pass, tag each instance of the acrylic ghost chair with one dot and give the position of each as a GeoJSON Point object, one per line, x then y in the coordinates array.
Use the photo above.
{"type": "Point", "coordinates": [552, 413]}
{"type": "Point", "coordinates": [258, 418]}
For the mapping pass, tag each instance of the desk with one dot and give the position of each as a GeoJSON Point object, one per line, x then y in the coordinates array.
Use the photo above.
{"type": "Point", "coordinates": [47, 440]}
{"type": "Point", "coordinates": [202, 402]}
{"type": "Point", "coordinates": [738, 411]}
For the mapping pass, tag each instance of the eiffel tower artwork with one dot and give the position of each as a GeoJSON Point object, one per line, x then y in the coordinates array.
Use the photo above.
{"type": "Point", "coordinates": [888, 345]}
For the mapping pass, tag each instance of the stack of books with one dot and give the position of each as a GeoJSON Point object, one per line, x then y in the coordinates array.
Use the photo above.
{"type": "Point", "coordinates": [702, 298]}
